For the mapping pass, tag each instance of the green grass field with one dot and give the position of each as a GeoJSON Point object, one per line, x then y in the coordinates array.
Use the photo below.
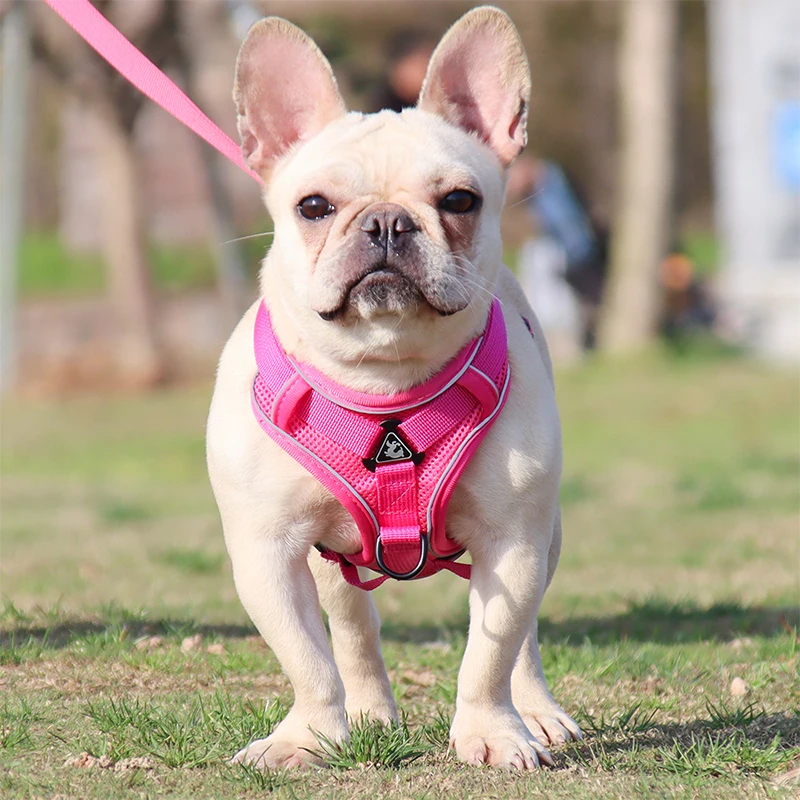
{"type": "Point", "coordinates": [680, 572]}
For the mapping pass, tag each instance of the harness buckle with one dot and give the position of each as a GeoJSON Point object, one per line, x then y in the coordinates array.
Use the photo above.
{"type": "Point", "coordinates": [403, 576]}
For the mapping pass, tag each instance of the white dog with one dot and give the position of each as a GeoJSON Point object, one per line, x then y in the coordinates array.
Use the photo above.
{"type": "Point", "coordinates": [385, 267]}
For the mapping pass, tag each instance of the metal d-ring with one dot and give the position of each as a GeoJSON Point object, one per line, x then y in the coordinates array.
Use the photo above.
{"type": "Point", "coordinates": [403, 576]}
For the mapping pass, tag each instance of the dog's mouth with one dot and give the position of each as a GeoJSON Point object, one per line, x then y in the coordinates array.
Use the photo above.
{"type": "Point", "coordinates": [388, 289]}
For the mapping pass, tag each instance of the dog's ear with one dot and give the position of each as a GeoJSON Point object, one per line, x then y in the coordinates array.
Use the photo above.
{"type": "Point", "coordinates": [284, 90]}
{"type": "Point", "coordinates": [478, 79]}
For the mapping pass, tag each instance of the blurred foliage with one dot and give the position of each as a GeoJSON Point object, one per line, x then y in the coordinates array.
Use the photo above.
{"type": "Point", "coordinates": [48, 267]}
{"type": "Point", "coordinates": [703, 249]}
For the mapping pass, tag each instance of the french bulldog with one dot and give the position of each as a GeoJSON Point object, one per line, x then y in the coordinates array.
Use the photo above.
{"type": "Point", "coordinates": [386, 260]}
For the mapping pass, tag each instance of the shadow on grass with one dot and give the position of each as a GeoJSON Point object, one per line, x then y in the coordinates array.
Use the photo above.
{"type": "Point", "coordinates": [68, 631]}
{"type": "Point", "coordinates": [669, 623]}
{"type": "Point", "coordinates": [651, 621]}
{"type": "Point", "coordinates": [763, 745]}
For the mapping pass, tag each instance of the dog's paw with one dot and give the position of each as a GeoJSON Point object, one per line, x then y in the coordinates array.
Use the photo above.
{"type": "Point", "coordinates": [292, 745]}
{"type": "Point", "coordinates": [274, 753]}
{"type": "Point", "coordinates": [497, 740]}
{"type": "Point", "coordinates": [509, 752]}
{"type": "Point", "coordinates": [551, 725]}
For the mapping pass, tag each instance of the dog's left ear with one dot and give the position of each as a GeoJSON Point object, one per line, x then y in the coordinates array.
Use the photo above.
{"type": "Point", "coordinates": [478, 79]}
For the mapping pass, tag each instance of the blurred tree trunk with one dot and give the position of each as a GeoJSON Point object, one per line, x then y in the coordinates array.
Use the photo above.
{"type": "Point", "coordinates": [643, 221]}
{"type": "Point", "coordinates": [139, 359]}
{"type": "Point", "coordinates": [200, 38]}
{"type": "Point", "coordinates": [152, 26]}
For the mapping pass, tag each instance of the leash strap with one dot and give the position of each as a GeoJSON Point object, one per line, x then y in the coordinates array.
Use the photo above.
{"type": "Point", "coordinates": [133, 65]}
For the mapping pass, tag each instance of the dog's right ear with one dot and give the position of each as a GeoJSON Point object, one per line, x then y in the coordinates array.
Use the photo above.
{"type": "Point", "coordinates": [284, 90]}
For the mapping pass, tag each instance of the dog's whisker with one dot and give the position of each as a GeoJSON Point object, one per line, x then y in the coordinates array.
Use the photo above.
{"type": "Point", "coordinates": [363, 356]}
{"type": "Point", "coordinates": [474, 284]}
{"type": "Point", "coordinates": [251, 236]}
{"type": "Point", "coordinates": [481, 289]}
{"type": "Point", "coordinates": [470, 281]}
{"type": "Point", "coordinates": [367, 351]}
{"type": "Point", "coordinates": [525, 199]}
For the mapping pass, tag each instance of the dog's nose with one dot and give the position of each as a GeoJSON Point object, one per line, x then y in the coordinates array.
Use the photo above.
{"type": "Point", "coordinates": [388, 225]}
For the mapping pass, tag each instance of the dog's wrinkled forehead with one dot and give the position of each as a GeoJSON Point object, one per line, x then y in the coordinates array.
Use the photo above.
{"type": "Point", "coordinates": [386, 157]}
{"type": "Point", "coordinates": [387, 152]}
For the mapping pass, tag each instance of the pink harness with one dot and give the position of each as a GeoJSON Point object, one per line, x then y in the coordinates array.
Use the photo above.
{"type": "Point", "coordinates": [392, 461]}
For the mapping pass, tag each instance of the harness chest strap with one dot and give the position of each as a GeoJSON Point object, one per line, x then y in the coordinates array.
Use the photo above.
{"type": "Point", "coordinates": [393, 461]}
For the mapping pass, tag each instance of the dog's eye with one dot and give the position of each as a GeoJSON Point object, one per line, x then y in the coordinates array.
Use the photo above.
{"type": "Point", "coordinates": [314, 206]}
{"type": "Point", "coordinates": [459, 202]}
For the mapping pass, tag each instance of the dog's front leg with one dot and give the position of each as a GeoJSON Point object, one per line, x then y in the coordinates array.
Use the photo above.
{"type": "Point", "coordinates": [507, 584]}
{"type": "Point", "coordinates": [276, 588]}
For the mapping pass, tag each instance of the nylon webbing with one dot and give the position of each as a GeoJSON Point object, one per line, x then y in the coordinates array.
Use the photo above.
{"type": "Point", "coordinates": [133, 65]}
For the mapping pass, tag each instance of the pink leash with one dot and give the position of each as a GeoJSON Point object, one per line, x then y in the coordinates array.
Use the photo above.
{"type": "Point", "coordinates": [92, 26]}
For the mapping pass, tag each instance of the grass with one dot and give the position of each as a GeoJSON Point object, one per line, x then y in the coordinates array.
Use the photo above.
{"type": "Point", "coordinates": [703, 248]}
{"type": "Point", "coordinates": [128, 668]}
{"type": "Point", "coordinates": [185, 736]}
{"type": "Point", "coordinates": [373, 744]}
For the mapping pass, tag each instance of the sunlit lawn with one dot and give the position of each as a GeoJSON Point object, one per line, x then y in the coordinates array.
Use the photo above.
{"type": "Point", "coordinates": [680, 572]}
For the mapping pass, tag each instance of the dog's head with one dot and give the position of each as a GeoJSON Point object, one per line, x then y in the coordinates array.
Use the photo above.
{"type": "Point", "coordinates": [387, 237]}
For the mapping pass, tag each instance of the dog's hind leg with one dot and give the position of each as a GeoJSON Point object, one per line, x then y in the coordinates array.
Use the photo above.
{"type": "Point", "coordinates": [545, 719]}
{"type": "Point", "coordinates": [355, 633]}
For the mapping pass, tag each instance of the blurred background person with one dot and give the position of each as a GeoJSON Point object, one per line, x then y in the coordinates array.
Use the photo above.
{"type": "Point", "coordinates": [569, 257]}
{"type": "Point", "coordinates": [408, 53]}
{"type": "Point", "coordinates": [688, 307]}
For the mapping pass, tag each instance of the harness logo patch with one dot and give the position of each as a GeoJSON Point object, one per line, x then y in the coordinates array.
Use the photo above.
{"type": "Point", "coordinates": [393, 448]}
